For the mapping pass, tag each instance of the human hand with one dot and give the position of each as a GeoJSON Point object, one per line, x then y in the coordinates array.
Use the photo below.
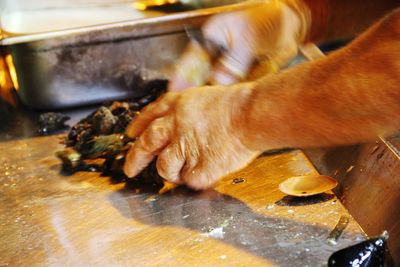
{"type": "Point", "coordinates": [196, 134]}
{"type": "Point", "coordinates": [268, 32]}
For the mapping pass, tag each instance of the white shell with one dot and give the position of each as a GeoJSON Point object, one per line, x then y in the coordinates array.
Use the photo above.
{"type": "Point", "coordinates": [308, 185]}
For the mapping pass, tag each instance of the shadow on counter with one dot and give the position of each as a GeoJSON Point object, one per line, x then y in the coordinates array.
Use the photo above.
{"type": "Point", "coordinates": [222, 217]}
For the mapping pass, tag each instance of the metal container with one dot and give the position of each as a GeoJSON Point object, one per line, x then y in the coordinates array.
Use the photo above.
{"type": "Point", "coordinates": [89, 65]}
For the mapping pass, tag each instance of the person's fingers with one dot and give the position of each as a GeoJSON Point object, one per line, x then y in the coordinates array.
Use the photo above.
{"type": "Point", "coordinates": [149, 144]}
{"type": "Point", "coordinates": [233, 66]}
{"type": "Point", "coordinates": [170, 162]}
{"type": "Point", "coordinates": [192, 70]}
{"type": "Point", "coordinates": [213, 165]}
{"type": "Point", "coordinates": [150, 113]}
{"type": "Point", "coordinates": [180, 80]}
{"type": "Point", "coordinates": [136, 160]}
{"type": "Point", "coordinates": [177, 84]}
{"type": "Point", "coordinates": [198, 178]}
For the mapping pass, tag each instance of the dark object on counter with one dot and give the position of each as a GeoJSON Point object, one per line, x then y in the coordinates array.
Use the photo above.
{"type": "Point", "coordinates": [52, 122]}
{"type": "Point", "coordinates": [238, 180]}
{"type": "Point", "coordinates": [369, 253]}
{"type": "Point", "coordinates": [101, 136]}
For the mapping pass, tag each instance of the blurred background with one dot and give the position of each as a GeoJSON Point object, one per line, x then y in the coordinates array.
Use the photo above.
{"type": "Point", "coordinates": [24, 16]}
{"type": "Point", "coordinates": [27, 18]}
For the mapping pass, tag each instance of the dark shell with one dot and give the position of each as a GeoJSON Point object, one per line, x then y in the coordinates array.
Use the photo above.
{"type": "Point", "coordinates": [100, 135]}
{"type": "Point", "coordinates": [103, 121]}
{"type": "Point", "coordinates": [52, 122]}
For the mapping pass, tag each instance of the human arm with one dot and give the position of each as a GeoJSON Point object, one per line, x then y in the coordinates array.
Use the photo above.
{"type": "Point", "coordinates": [270, 34]}
{"type": "Point", "coordinates": [350, 96]}
{"type": "Point", "coordinates": [203, 134]}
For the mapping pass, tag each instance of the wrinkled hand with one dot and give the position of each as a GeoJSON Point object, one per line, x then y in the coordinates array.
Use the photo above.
{"type": "Point", "coordinates": [268, 33]}
{"type": "Point", "coordinates": [196, 135]}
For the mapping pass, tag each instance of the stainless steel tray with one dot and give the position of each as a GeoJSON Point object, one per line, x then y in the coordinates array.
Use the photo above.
{"type": "Point", "coordinates": [90, 65]}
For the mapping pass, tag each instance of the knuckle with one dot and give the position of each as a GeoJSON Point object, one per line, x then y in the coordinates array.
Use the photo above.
{"type": "Point", "coordinates": [198, 182]}
{"type": "Point", "coordinates": [154, 137]}
{"type": "Point", "coordinates": [197, 178]}
{"type": "Point", "coordinates": [146, 142]}
{"type": "Point", "coordinates": [160, 106]}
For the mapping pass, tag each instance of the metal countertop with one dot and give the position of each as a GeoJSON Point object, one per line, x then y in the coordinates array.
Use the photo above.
{"type": "Point", "coordinates": [51, 219]}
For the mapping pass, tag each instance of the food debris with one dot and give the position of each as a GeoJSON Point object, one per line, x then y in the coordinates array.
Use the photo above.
{"type": "Point", "coordinates": [338, 230]}
{"type": "Point", "coordinates": [151, 199]}
{"type": "Point", "coordinates": [217, 233]}
{"type": "Point", "coordinates": [238, 180]}
{"type": "Point", "coordinates": [271, 206]}
{"type": "Point", "coordinates": [100, 136]}
{"type": "Point", "coordinates": [350, 169]}
{"type": "Point", "coordinates": [69, 157]}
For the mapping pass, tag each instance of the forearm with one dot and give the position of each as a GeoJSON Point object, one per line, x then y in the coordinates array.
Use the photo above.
{"type": "Point", "coordinates": [340, 19]}
{"type": "Point", "coordinates": [351, 96]}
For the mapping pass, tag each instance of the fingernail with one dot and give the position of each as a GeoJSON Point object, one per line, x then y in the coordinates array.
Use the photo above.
{"type": "Point", "coordinates": [130, 164]}
{"type": "Point", "coordinates": [127, 170]}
